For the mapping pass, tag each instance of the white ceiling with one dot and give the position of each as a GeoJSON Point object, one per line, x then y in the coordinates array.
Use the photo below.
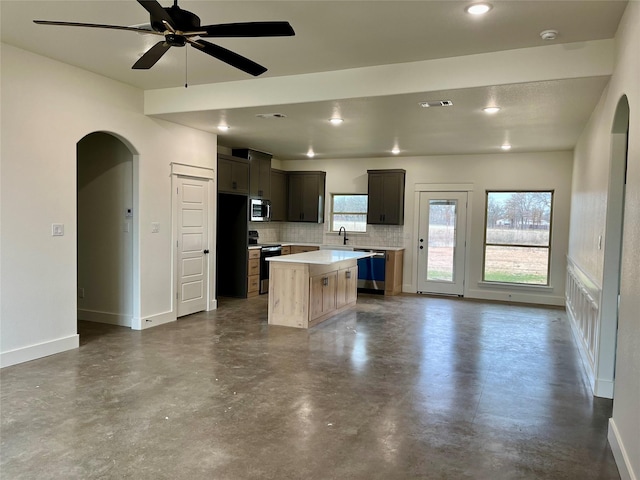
{"type": "Point", "coordinates": [546, 114]}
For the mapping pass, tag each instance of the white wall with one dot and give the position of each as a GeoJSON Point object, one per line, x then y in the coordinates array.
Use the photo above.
{"type": "Point", "coordinates": [105, 231]}
{"type": "Point", "coordinates": [589, 198]}
{"type": "Point", "coordinates": [534, 171]}
{"type": "Point", "coordinates": [47, 107]}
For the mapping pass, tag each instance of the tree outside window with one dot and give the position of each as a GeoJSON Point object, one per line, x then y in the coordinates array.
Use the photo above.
{"type": "Point", "coordinates": [349, 211]}
{"type": "Point", "coordinates": [518, 237]}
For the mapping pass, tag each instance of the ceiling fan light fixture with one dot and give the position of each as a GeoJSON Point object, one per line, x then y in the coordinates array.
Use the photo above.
{"type": "Point", "coordinates": [311, 153]}
{"type": "Point", "coordinates": [491, 110]}
{"type": "Point", "coordinates": [336, 120]}
{"type": "Point", "coordinates": [478, 8]}
{"type": "Point", "coordinates": [223, 128]}
{"type": "Point", "coordinates": [395, 150]}
{"type": "Point", "coordinates": [505, 146]}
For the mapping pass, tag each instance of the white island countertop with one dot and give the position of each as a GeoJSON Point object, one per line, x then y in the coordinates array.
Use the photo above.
{"type": "Point", "coordinates": [320, 257]}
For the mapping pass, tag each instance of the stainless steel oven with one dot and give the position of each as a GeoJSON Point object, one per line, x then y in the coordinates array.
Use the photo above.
{"type": "Point", "coordinates": [266, 252]}
{"type": "Point", "coordinates": [259, 210]}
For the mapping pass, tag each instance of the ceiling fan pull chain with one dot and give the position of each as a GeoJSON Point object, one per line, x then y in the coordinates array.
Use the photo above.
{"type": "Point", "coordinates": [186, 69]}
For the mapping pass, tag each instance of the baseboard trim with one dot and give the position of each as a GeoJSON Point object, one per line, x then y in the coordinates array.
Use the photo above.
{"type": "Point", "coordinates": [213, 304]}
{"type": "Point", "coordinates": [620, 453]}
{"type": "Point", "coordinates": [105, 317]}
{"type": "Point", "coordinates": [155, 320]}
{"type": "Point", "coordinates": [44, 349]}
{"type": "Point", "coordinates": [603, 388]}
{"type": "Point", "coordinates": [515, 296]}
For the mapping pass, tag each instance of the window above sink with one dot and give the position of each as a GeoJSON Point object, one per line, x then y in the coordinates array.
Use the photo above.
{"type": "Point", "coordinates": [349, 211]}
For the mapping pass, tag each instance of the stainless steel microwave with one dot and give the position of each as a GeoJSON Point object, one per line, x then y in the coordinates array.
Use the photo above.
{"type": "Point", "coordinates": [259, 210]}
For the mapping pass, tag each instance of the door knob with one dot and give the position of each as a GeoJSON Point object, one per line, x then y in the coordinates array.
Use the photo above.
{"type": "Point", "coordinates": [421, 247]}
{"type": "Point", "coordinates": [206, 251]}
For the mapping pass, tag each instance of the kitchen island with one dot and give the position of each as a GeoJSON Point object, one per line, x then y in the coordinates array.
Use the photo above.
{"type": "Point", "coordinates": [308, 288]}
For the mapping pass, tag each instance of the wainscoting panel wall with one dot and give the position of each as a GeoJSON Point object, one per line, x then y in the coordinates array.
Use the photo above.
{"type": "Point", "coordinates": [583, 308]}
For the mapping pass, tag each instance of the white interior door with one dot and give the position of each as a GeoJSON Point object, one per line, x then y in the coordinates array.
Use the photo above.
{"type": "Point", "coordinates": [193, 244]}
{"type": "Point", "coordinates": [441, 242]}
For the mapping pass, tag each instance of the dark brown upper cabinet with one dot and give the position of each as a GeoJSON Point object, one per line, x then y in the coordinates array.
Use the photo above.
{"type": "Point", "coordinates": [279, 189]}
{"type": "Point", "coordinates": [233, 175]}
{"type": "Point", "coordinates": [386, 197]}
{"type": "Point", "coordinates": [259, 172]}
{"type": "Point", "coordinates": [306, 196]}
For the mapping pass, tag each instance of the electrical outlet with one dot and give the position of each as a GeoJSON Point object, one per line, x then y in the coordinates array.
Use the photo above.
{"type": "Point", "coordinates": [80, 292]}
{"type": "Point", "coordinates": [155, 227]}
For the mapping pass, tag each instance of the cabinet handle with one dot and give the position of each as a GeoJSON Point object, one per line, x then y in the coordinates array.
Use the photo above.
{"type": "Point", "coordinates": [325, 281]}
{"type": "Point", "coordinates": [348, 273]}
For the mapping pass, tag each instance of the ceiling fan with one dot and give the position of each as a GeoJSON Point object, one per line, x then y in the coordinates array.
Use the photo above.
{"type": "Point", "coordinates": [180, 27]}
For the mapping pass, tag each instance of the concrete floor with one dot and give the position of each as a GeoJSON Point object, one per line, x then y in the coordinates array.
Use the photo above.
{"type": "Point", "coordinates": [399, 388]}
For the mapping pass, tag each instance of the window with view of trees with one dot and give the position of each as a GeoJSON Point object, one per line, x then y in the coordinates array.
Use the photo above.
{"type": "Point", "coordinates": [350, 212]}
{"type": "Point", "coordinates": [517, 243]}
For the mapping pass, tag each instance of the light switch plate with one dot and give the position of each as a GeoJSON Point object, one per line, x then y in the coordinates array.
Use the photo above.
{"type": "Point", "coordinates": [155, 227]}
{"type": "Point", "coordinates": [57, 229]}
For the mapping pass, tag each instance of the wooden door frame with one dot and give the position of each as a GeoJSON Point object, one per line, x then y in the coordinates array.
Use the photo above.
{"type": "Point", "coordinates": [440, 187]}
{"type": "Point", "coordinates": [208, 175]}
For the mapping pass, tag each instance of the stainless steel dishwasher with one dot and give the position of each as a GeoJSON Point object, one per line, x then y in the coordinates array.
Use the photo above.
{"type": "Point", "coordinates": [371, 271]}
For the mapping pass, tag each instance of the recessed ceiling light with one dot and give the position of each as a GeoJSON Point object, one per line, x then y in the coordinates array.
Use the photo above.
{"type": "Point", "coordinates": [505, 146]}
{"type": "Point", "coordinates": [395, 150]}
{"type": "Point", "coordinates": [336, 120]}
{"type": "Point", "coordinates": [491, 109]}
{"type": "Point", "coordinates": [311, 153]}
{"type": "Point", "coordinates": [223, 128]}
{"type": "Point", "coordinates": [478, 8]}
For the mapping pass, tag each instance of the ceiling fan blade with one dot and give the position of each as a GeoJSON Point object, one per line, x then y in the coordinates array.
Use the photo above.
{"type": "Point", "coordinates": [249, 29]}
{"type": "Point", "coordinates": [156, 11]}
{"type": "Point", "coordinates": [96, 25]}
{"type": "Point", "coordinates": [229, 57]}
{"type": "Point", "coordinates": [151, 56]}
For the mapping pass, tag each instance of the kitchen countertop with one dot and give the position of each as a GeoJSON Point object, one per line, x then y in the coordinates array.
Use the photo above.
{"type": "Point", "coordinates": [320, 257]}
{"type": "Point", "coordinates": [328, 246]}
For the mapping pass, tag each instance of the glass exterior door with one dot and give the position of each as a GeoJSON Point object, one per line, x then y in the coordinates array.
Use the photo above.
{"type": "Point", "coordinates": [441, 242]}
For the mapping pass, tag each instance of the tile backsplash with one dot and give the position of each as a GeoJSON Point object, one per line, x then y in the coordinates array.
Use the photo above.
{"type": "Point", "coordinates": [376, 235]}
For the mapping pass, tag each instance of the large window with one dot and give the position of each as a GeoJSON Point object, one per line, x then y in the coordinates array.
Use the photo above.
{"type": "Point", "coordinates": [349, 211]}
{"type": "Point", "coordinates": [517, 243]}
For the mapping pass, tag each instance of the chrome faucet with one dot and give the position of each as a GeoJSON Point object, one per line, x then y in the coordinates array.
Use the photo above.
{"type": "Point", "coordinates": [344, 242]}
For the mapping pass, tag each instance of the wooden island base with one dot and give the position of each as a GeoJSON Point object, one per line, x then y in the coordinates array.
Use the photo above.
{"type": "Point", "coordinates": [308, 288]}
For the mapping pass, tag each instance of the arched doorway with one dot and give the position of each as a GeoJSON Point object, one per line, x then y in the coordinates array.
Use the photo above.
{"type": "Point", "coordinates": [614, 228]}
{"type": "Point", "coordinates": [106, 228]}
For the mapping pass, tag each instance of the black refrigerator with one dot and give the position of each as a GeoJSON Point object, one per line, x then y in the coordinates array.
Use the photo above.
{"type": "Point", "coordinates": [232, 245]}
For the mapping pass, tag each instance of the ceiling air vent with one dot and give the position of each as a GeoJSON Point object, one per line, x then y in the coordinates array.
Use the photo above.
{"type": "Point", "coordinates": [271, 115]}
{"type": "Point", "coordinates": [437, 103]}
